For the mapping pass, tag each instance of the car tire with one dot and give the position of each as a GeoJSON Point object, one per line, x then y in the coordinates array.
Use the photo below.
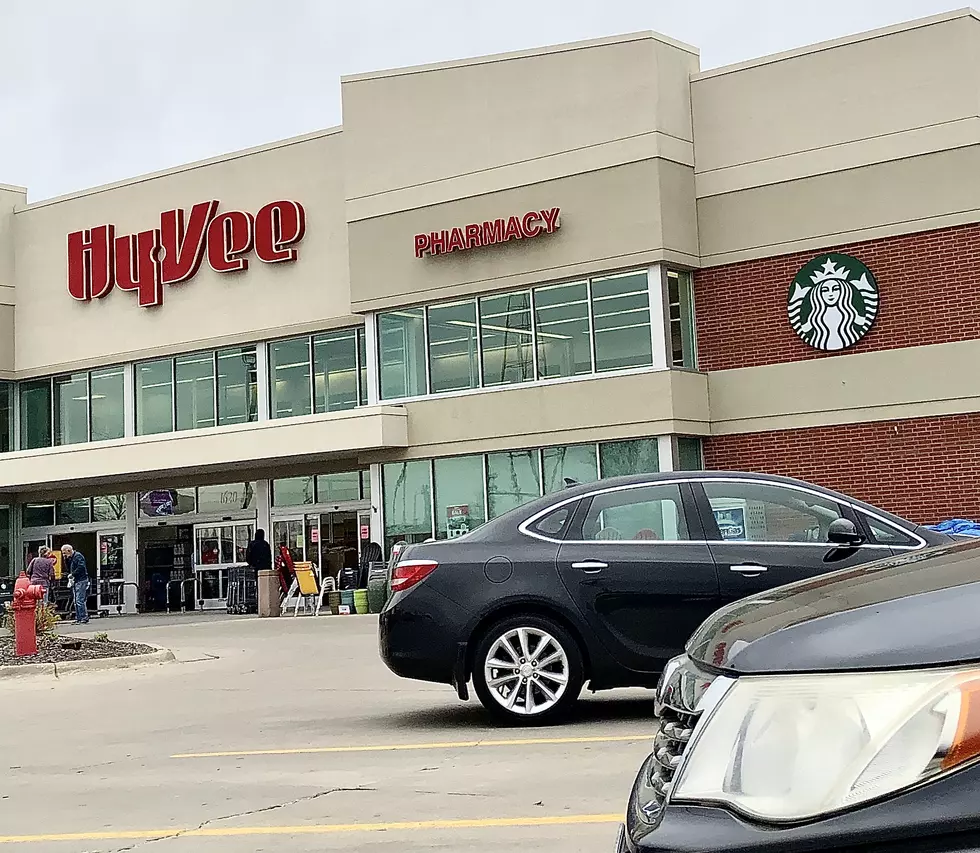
{"type": "Point", "coordinates": [538, 675]}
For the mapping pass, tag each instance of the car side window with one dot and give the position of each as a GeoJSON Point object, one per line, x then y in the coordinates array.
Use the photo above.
{"type": "Point", "coordinates": [885, 534]}
{"type": "Point", "coordinates": [646, 513]}
{"type": "Point", "coordinates": [555, 523]}
{"type": "Point", "coordinates": [765, 512]}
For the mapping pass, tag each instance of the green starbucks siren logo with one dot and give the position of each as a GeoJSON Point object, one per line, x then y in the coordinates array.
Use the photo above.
{"type": "Point", "coordinates": [833, 301]}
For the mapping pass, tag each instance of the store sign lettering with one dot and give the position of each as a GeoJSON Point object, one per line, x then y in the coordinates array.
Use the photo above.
{"type": "Point", "coordinates": [144, 263]}
{"type": "Point", "coordinates": [476, 234]}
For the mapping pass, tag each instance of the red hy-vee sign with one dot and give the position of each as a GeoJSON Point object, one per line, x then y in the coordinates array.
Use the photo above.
{"type": "Point", "coordinates": [174, 252]}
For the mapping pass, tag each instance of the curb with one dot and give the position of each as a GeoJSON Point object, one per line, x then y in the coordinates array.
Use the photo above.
{"type": "Point", "coordinates": [56, 669]}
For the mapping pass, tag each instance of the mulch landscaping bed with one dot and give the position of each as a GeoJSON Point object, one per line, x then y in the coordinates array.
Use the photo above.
{"type": "Point", "coordinates": [64, 649]}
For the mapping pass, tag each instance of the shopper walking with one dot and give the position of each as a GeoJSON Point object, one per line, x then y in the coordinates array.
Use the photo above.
{"type": "Point", "coordinates": [41, 571]}
{"type": "Point", "coordinates": [78, 571]}
{"type": "Point", "coordinates": [258, 554]}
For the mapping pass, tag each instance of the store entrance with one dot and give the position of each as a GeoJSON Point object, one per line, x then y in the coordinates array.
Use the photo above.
{"type": "Point", "coordinates": [87, 545]}
{"type": "Point", "coordinates": [332, 540]}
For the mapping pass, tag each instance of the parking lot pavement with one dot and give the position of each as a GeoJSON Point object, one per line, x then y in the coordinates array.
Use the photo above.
{"type": "Point", "coordinates": [291, 735]}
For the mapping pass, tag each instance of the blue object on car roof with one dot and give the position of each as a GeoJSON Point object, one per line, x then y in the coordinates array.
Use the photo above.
{"type": "Point", "coordinates": [957, 527]}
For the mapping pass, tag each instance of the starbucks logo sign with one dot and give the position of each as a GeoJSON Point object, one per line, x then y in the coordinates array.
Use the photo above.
{"type": "Point", "coordinates": [833, 301]}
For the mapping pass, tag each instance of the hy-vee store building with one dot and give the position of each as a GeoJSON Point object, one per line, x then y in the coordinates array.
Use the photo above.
{"type": "Point", "coordinates": [575, 262]}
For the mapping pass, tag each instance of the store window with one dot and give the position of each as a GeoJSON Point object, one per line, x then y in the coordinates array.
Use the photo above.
{"type": "Point", "coordinates": [289, 371]}
{"type": "Point", "coordinates": [619, 458]}
{"type": "Point", "coordinates": [680, 297]}
{"type": "Point", "coordinates": [401, 351]}
{"type": "Point", "coordinates": [107, 406]}
{"type": "Point", "coordinates": [37, 515]}
{"type": "Point", "coordinates": [194, 379]}
{"type": "Point", "coordinates": [336, 370]}
{"type": "Point", "coordinates": [453, 357]}
{"type": "Point", "coordinates": [163, 503]}
{"type": "Point", "coordinates": [621, 318]}
{"type": "Point", "coordinates": [6, 546]}
{"type": "Point", "coordinates": [238, 390]}
{"type": "Point", "coordinates": [293, 491]}
{"type": "Point", "coordinates": [109, 508]}
{"type": "Point", "coordinates": [339, 487]}
{"type": "Point", "coordinates": [362, 383]}
{"type": "Point", "coordinates": [513, 478]}
{"type": "Point", "coordinates": [561, 317]}
{"type": "Point", "coordinates": [74, 511]}
{"type": "Point", "coordinates": [458, 495]}
{"type": "Point", "coordinates": [507, 338]}
{"type": "Point", "coordinates": [155, 397]}
{"type": "Point", "coordinates": [228, 497]}
{"type": "Point", "coordinates": [573, 462]}
{"type": "Point", "coordinates": [6, 421]}
{"type": "Point", "coordinates": [71, 409]}
{"type": "Point", "coordinates": [689, 454]}
{"type": "Point", "coordinates": [407, 502]}
{"type": "Point", "coordinates": [35, 414]}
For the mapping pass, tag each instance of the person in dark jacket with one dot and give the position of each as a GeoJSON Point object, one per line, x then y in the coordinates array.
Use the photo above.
{"type": "Point", "coordinates": [41, 571]}
{"type": "Point", "coordinates": [78, 570]}
{"type": "Point", "coordinates": [258, 554]}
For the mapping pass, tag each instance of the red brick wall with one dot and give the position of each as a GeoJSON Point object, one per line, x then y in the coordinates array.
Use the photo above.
{"type": "Point", "coordinates": [924, 469]}
{"type": "Point", "coordinates": [930, 294]}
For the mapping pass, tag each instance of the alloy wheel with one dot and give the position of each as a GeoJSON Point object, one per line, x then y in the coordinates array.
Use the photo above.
{"type": "Point", "coordinates": [526, 671]}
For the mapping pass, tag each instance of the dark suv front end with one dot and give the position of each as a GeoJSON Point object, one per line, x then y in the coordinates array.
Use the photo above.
{"type": "Point", "coordinates": [838, 714]}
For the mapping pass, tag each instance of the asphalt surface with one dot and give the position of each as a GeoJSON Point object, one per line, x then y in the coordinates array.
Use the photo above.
{"type": "Point", "coordinates": [291, 735]}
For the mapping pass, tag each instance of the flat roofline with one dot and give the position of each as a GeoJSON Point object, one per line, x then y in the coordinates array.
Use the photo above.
{"type": "Point", "coordinates": [185, 167]}
{"type": "Point", "coordinates": [905, 26]}
{"type": "Point", "coordinates": [12, 188]}
{"type": "Point", "coordinates": [521, 54]}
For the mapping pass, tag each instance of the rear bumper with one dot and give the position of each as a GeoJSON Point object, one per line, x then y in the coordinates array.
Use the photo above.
{"type": "Point", "coordinates": [420, 636]}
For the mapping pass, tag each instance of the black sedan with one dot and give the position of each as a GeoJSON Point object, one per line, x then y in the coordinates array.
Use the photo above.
{"type": "Point", "coordinates": [603, 583]}
{"type": "Point", "coordinates": [834, 714]}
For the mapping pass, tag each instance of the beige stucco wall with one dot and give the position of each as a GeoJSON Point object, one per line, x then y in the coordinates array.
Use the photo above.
{"type": "Point", "coordinates": [868, 136]}
{"type": "Point", "coordinates": [267, 300]}
{"type": "Point", "coordinates": [10, 198]}
{"type": "Point", "coordinates": [601, 129]}
{"type": "Point", "coordinates": [598, 409]}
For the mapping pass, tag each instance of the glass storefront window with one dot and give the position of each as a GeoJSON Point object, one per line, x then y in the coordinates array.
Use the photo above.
{"type": "Point", "coordinates": [513, 478]}
{"type": "Point", "coordinates": [289, 369]}
{"type": "Point", "coordinates": [689, 456]}
{"type": "Point", "coordinates": [74, 511]}
{"type": "Point", "coordinates": [561, 319]}
{"type": "Point", "coordinates": [459, 495]}
{"type": "Point", "coordinates": [575, 462]}
{"type": "Point", "coordinates": [109, 508]}
{"type": "Point", "coordinates": [621, 316]}
{"type": "Point", "coordinates": [37, 515]}
{"type": "Point", "coordinates": [334, 488]}
{"type": "Point", "coordinates": [71, 409]}
{"type": "Point", "coordinates": [619, 458]}
{"type": "Point", "coordinates": [680, 296]}
{"type": "Point", "coordinates": [35, 414]}
{"type": "Point", "coordinates": [155, 397]}
{"type": "Point", "coordinates": [408, 502]}
{"type": "Point", "coordinates": [107, 406]}
{"type": "Point", "coordinates": [161, 503]}
{"type": "Point", "coordinates": [238, 389]}
{"type": "Point", "coordinates": [6, 553]}
{"type": "Point", "coordinates": [362, 380]}
{"type": "Point", "coordinates": [6, 421]}
{"type": "Point", "coordinates": [401, 353]}
{"type": "Point", "coordinates": [366, 485]}
{"type": "Point", "coordinates": [194, 378]}
{"type": "Point", "coordinates": [335, 370]}
{"type": "Point", "coordinates": [453, 359]}
{"type": "Point", "coordinates": [292, 491]}
{"type": "Point", "coordinates": [506, 337]}
{"type": "Point", "coordinates": [228, 497]}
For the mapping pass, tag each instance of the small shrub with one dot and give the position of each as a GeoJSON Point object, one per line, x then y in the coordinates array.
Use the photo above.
{"type": "Point", "coordinates": [45, 620]}
{"type": "Point", "coordinates": [101, 637]}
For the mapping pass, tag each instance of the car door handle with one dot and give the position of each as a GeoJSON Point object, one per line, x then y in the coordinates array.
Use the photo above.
{"type": "Point", "coordinates": [590, 567]}
{"type": "Point", "coordinates": [748, 569]}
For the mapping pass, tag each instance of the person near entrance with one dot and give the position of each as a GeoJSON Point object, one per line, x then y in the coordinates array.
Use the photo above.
{"type": "Point", "coordinates": [41, 571]}
{"type": "Point", "coordinates": [258, 554]}
{"type": "Point", "coordinates": [78, 571]}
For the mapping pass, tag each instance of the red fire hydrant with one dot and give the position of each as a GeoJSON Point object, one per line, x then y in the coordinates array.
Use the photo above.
{"type": "Point", "coordinates": [26, 597]}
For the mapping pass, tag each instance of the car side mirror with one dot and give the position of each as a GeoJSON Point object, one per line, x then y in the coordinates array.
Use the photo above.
{"type": "Point", "coordinates": [842, 531]}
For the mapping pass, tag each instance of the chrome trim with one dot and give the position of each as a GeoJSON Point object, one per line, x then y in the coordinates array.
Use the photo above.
{"type": "Point", "coordinates": [523, 527]}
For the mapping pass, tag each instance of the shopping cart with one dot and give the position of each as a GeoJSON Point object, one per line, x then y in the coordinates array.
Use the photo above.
{"type": "Point", "coordinates": [243, 590]}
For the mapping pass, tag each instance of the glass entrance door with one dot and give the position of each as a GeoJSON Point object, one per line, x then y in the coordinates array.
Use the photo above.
{"type": "Point", "coordinates": [110, 589]}
{"type": "Point", "coordinates": [216, 549]}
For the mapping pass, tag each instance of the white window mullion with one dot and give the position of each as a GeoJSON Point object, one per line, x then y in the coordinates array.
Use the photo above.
{"type": "Point", "coordinates": [659, 316]}
{"type": "Point", "coordinates": [129, 400]}
{"type": "Point", "coordinates": [588, 299]}
{"type": "Point", "coordinates": [372, 352]}
{"type": "Point", "coordinates": [263, 380]}
{"type": "Point", "coordinates": [665, 453]}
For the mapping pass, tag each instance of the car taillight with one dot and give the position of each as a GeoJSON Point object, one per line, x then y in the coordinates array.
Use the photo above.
{"type": "Point", "coordinates": [410, 572]}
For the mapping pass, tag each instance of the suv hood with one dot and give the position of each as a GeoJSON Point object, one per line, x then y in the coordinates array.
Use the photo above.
{"type": "Point", "coordinates": [916, 610]}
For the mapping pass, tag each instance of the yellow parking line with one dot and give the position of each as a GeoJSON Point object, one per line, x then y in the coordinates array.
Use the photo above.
{"type": "Point", "coordinates": [397, 747]}
{"type": "Point", "coordinates": [313, 829]}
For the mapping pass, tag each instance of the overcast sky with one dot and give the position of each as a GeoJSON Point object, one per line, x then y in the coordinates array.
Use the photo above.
{"type": "Point", "coordinates": [93, 91]}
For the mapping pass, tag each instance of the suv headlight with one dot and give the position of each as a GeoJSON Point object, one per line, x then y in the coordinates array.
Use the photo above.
{"type": "Point", "coordinates": [792, 747]}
